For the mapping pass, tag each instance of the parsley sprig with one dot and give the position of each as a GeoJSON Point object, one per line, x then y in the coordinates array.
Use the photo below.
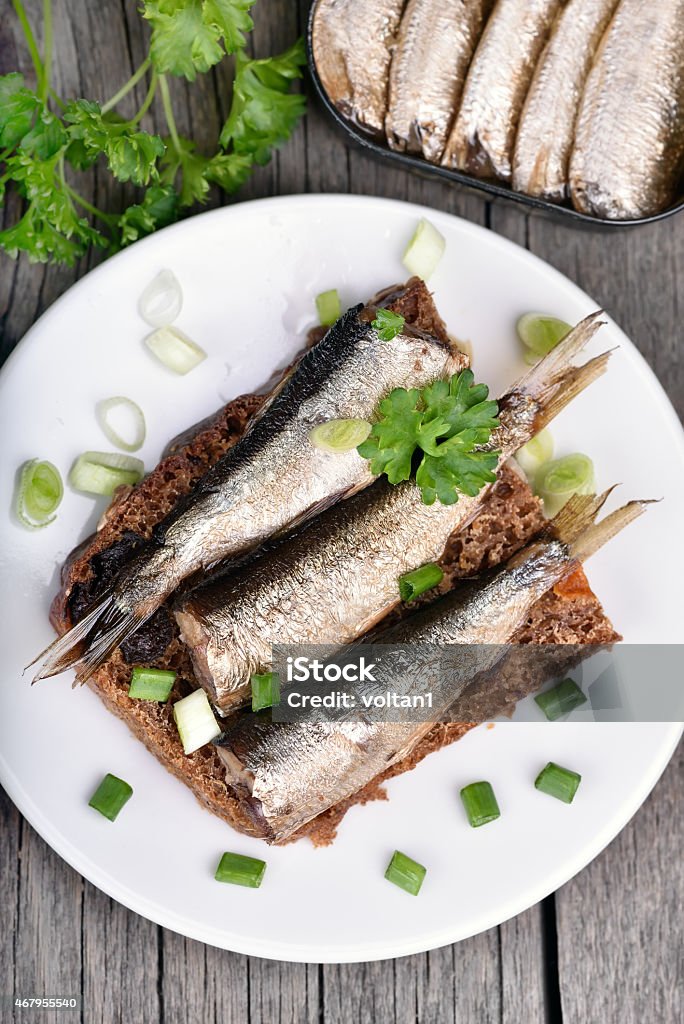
{"type": "Point", "coordinates": [46, 141]}
{"type": "Point", "coordinates": [388, 324]}
{"type": "Point", "coordinates": [436, 435]}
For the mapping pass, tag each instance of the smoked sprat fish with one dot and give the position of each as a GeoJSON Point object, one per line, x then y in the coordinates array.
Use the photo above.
{"type": "Point", "coordinates": [482, 138]}
{"type": "Point", "coordinates": [547, 124]}
{"type": "Point", "coordinates": [288, 773]}
{"type": "Point", "coordinates": [434, 48]}
{"type": "Point", "coordinates": [629, 141]}
{"type": "Point", "coordinates": [272, 479]}
{"type": "Point", "coordinates": [352, 46]}
{"type": "Point", "coordinates": [336, 579]}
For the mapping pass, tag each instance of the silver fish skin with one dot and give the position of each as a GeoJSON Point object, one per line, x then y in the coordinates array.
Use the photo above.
{"type": "Point", "coordinates": [435, 45]}
{"type": "Point", "coordinates": [272, 479]}
{"type": "Point", "coordinates": [352, 46]}
{"type": "Point", "coordinates": [288, 773]}
{"type": "Point", "coordinates": [483, 136]}
{"type": "Point", "coordinates": [628, 157]}
{"type": "Point", "coordinates": [547, 125]}
{"type": "Point", "coordinates": [336, 579]}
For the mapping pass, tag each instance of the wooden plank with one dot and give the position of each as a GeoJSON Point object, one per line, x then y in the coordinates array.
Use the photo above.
{"type": "Point", "coordinates": [288, 993]}
{"type": "Point", "coordinates": [621, 952]}
{"type": "Point", "coordinates": [47, 939]}
{"type": "Point", "coordinates": [523, 984]}
{"type": "Point", "coordinates": [11, 830]}
{"type": "Point", "coordinates": [120, 962]}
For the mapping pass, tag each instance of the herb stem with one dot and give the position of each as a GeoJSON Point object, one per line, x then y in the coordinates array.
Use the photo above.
{"type": "Point", "coordinates": [47, 50]}
{"type": "Point", "coordinates": [168, 114]}
{"type": "Point", "coordinates": [58, 99]}
{"type": "Point", "coordinates": [126, 88]}
{"type": "Point", "coordinates": [147, 102]}
{"type": "Point", "coordinates": [77, 198]}
{"type": "Point", "coordinates": [30, 39]}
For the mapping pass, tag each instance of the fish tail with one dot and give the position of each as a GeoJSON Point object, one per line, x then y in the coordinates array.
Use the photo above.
{"type": "Point", "coordinates": [566, 386]}
{"type": "Point", "coordinates": [89, 643]}
{"type": "Point", "coordinates": [576, 525]}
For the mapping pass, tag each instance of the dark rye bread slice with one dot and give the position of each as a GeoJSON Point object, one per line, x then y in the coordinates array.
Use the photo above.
{"type": "Point", "coordinates": [510, 517]}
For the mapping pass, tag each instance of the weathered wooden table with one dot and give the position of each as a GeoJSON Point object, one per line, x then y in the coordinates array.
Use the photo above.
{"type": "Point", "coordinates": [607, 948]}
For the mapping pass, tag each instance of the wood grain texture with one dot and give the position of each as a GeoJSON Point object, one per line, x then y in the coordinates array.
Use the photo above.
{"type": "Point", "coordinates": [608, 947]}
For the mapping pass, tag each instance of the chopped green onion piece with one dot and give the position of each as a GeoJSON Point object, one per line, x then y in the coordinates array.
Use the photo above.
{"type": "Point", "coordinates": [39, 493]}
{"type": "Point", "coordinates": [560, 699]}
{"type": "Point", "coordinates": [110, 796]}
{"type": "Point", "coordinates": [151, 683]}
{"type": "Point", "coordinates": [413, 584]}
{"type": "Point", "coordinates": [406, 873]}
{"type": "Point", "coordinates": [535, 453]}
{"type": "Point", "coordinates": [195, 721]}
{"type": "Point", "coordinates": [540, 333]}
{"type": "Point", "coordinates": [388, 324]}
{"type": "Point", "coordinates": [559, 782]}
{"type": "Point", "coordinates": [558, 480]}
{"type": "Point", "coordinates": [339, 436]}
{"type": "Point", "coordinates": [174, 349]}
{"type": "Point", "coordinates": [162, 300]}
{"type": "Point", "coordinates": [328, 307]}
{"type": "Point", "coordinates": [424, 251]}
{"type": "Point", "coordinates": [108, 411]}
{"type": "Point", "coordinates": [103, 472]}
{"type": "Point", "coordinates": [240, 870]}
{"type": "Point", "coordinates": [265, 690]}
{"type": "Point", "coordinates": [480, 803]}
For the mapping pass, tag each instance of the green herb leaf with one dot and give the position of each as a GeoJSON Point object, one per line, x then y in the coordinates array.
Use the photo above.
{"type": "Point", "coordinates": [46, 137]}
{"type": "Point", "coordinates": [158, 208]}
{"type": "Point", "coordinates": [51, 225]}
{"type": "Point", "coordinates": [400, 431]}
{"type": "Point", "coordinates": [455, 469]}
{"type": "Point", "coordinates": [187, 34]}
{"type": "Point", "coordinates": [198, 172]}
{"type": "Point", "coordinates": [263, 112]}
{"type": "Point", "coordinates": [18, 108]}
{"type": "Point", "coordinates": [436, 433]}
{"type": "Point", "coordinates": [388, 324]}
{"type": "Point", "coordinates": [131, 154]}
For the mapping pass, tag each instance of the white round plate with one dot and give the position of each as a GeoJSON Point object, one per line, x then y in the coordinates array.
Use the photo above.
{"type": "Point", "coordinates": [249, 275]}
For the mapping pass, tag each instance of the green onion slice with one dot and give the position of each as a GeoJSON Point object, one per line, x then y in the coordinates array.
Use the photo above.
{"type": "Point", "coordinates": [408, 874]}
{"type": "Point", "coordinates": [162, 300]}
{"type": "Point", "coordinates": [110, 796]}
{"type": "Point", "coordinates": [558, 480]}
{"type": "Point", "coordinates": [265, 690]}
{"type": "Point", "coordinates": [103, 472]}
{"type": "Point", "coordinates": [328, 307]}
{"type": "Point", "coordinates": [195, 721]}
{"type": "Point", "coordinates": [151, 683]}
{"type": "Point", "coordinates": [540, 333]}
{"type": "Point", "coordinates": [109, 411]}
{"type": "Point", "coordinates": [480, 803]}
{"type": "Point", "coordinates": [413, 584]}
{"type": "Point", "coordinates": [339, 436]}
{"type": "Point", "coordinates": [535, 453]}
{"type": "Point", "coordinates": [559, 782]}
{"type": "Point", "coordinates": [424, 251]}
{"type": "Point", "coordinates": [560, 699]}
{"type": "Point", "coordinates": [174, 349]}
{"type": "Point", "coordinates": [240, 870]}
{"type": "Point", "coordinates": [39, 493]}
